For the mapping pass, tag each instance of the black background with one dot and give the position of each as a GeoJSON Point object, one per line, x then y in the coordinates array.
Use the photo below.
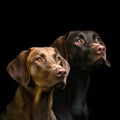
{"type": "Point", "coordinates": [20, 31]}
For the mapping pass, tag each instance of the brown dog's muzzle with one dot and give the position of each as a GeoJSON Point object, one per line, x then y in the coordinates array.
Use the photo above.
{"type": "Point", "coordinates": [60, 72]}
{"type": "Point", "coordinates": [61, 76]}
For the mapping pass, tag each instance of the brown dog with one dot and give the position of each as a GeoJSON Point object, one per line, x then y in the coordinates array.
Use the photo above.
{"type": "Point", "coordinates": [84, 50]}
{"type": "Point", "coordinates": [38, 70]}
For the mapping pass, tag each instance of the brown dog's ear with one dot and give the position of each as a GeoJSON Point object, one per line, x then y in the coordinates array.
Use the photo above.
{"type": "Point", "coordinates": [18, 70]}
{"type": "Point", "coordinates": [60, 44]}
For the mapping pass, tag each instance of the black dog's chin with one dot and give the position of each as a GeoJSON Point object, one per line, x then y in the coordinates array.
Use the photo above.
{"type": "Point", "coordinates": [107, 63]}
{"type": "Point", "coordinates": [91, 65]}
{"type": "Point", "coordinates": [102, 61]}
{"type": "Point", "coordinates": [99, 62]}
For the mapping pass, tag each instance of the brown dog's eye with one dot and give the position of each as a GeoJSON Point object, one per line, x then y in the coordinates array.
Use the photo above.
{"type": "Point", "coordinates": [39, 58]}
{"type": "Point", "coordinates": [79, 42]}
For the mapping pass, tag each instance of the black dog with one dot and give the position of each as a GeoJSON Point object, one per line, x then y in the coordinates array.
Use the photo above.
{"type": "Point", "coordinates": [84, 50]}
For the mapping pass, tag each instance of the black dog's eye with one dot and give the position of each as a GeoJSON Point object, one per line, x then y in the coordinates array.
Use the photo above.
{"type": "Point", "coordinates": [80, 41]}
{"type": "Point", "coordinates": [97, 40]}
{"type": "Point", "coordinates": [58, 58]}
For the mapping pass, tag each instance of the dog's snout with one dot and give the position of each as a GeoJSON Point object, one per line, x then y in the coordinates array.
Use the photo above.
{"type": "Point", "coordinates": [60, 72]}
{"type": "Point", "coordinates": [100, 49]}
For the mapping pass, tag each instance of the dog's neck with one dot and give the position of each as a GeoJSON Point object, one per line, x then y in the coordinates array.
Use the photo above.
{"type": "Point", "coordinates": [37, 101]}
{"type": "Point", "coordinates": [79, 81]}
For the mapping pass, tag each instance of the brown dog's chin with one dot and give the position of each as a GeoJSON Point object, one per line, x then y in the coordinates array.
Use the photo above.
{"type": "Point", "coordinates": [60, 85]}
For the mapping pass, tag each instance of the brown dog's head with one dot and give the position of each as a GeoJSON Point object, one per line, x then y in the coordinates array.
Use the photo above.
{"type": "Point", "coordinates": [82, 48]}
{"type": "Point", "coordinates": [43, 65]}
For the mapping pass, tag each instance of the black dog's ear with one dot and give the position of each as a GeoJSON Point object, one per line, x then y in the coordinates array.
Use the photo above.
{"type": "Point", "coordinates": [18, 70]}
{"type": "Point", "coordinates": [60, 44]}
{"type": "Point", "coordinates": [66, 35]}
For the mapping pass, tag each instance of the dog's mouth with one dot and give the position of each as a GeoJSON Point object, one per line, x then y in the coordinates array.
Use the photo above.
{"type": "Point", "coordinates": [61, 82]}
{"type": "Point", "coordinates": [98, 61]}
{"type": "Point", "coordinates": [60, 85]}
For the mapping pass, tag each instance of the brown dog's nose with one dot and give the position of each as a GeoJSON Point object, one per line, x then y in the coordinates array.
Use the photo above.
{"type": "Point", "coordinates": [100, 49]}
{"type": "Point", "coordinates": [60, 72]}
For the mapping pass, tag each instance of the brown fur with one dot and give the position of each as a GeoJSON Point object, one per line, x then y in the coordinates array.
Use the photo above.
{"type": "Point", "coordinates": [37, 70]}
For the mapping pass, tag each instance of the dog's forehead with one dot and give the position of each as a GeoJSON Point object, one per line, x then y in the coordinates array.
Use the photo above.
{"type": "Point", "coordinates": [87, 35]}
{"type": "Point", "coordinates": [83, 32]}
{"type": "Point", "coordinates": [42, 50]}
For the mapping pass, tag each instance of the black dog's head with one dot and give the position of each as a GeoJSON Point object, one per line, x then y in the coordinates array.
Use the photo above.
{"type": "Point", "coordinates": [85, 49]}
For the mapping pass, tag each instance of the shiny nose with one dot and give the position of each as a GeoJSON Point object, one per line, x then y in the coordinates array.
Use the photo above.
{"type": "Point", "coordinates": [100, 49]}
{"type": "Point", "coordinates": [60, 72]}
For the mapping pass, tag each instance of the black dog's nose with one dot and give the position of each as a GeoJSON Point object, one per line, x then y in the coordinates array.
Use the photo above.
{"type": "Point", "coordinates": [60, 72]}
{"type": "Point", "coordinates": [100, 49]}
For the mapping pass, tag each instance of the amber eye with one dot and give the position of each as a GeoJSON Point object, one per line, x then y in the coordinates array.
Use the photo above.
{"type": "Point", "coordinates": [58, 58]}
{"type": "Point", "coordinates": [39, 58]}
{"type": "Point", "coordinates": [97, 40]}
{"type": "Point", "coordinates": [79, 42]}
